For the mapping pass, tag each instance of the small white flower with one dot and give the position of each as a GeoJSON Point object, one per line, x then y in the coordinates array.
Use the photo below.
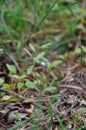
{"type": "Point", "coordinates": [45, 64]}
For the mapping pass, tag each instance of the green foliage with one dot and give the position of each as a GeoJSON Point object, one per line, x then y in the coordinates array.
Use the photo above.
{"type": "Point", "coordinates": [20, 86]}
{"type": "Point", "coordinates": [30, 69]}
{"type": "Point", "coordinates": [60, 122]}
{"type": "Point", "coordinates": [1, 81]}
{"type": "Point", "coordinates": [30, 85]}
{"type": "Point", "coordinates": [50, 89]}
{"type": "Point", "coordinates": [41, 83]}
{"type": "Point", "coordinates": [19, 125]}
{"type": "Point", "coordinates": [11, 68]}
{"type": "Point", "coordinates": [39, 57]}
{"type": "Point", "coordinates": [32, 47]}
{"type": "Point", "coordinates": [6, 98]}
{"type": "Point", "coordinates": [6, 86]}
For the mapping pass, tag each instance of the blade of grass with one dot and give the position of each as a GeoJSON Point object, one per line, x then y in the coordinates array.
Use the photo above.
{"type": "Point", "coordinates": [4, 2]}
{"type": "Point", "coordinates": [60, 122]}
{"type": "Point", "coordinates": [58, 10]}
{"type": "Point", "coordinates": [35, 4]}
{"type": "Point", "coordinates": [18, 125]}
{"type": "Point", "coordinates": [47, 13]}
{"type": "Point", "coordinates": [77, 40]}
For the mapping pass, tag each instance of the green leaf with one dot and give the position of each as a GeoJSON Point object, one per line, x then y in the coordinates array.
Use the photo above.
{"type": "Point", "coordinates": [28, 52]}
{"type": "Point", "coordinates": [20, 85]}
{"type": "Point", "coordinates": [32, 47]}
{"type": "Point", "coordinates": [38, 57]}
{"type": "Point", "coordinates": [1, 51]}
{"type": "Point", "coordinates": [30, 69]}
{"type": "Point", "coordinates": [1, 81]}
{"type": "Point", "coordinates": [84, 49]}
{"type": "Point", "coordinates": [3, 111]}
{"type": "Point", "coordinates": [6, 97]}
{"type": "Point", "coordinates": [46, 45]}
{"type": "Point", "coordinates": [30, 85]}
{"type": "Point", "coordinates": [79, 26]}
{"type": "Point", "coordinates": [50, 89]}
{"type": "Point", "coordinates": [55, 63]}
{"type": "Point", "coordinates": [19, 77]}
{"type": "Point", "coordinates": [78, 51]}
{"type": "Point", "coordinates": [11, 68]}
{"type": "Point", "coordinates": [6, 86]}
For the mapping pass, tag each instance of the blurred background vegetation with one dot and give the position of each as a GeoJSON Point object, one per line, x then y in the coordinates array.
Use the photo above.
{"type": "Point", "coordinates": [41, 21]}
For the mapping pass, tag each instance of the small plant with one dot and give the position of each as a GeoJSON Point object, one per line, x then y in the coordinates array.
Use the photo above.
{"type": "Point", "coordinates": [41, 79]}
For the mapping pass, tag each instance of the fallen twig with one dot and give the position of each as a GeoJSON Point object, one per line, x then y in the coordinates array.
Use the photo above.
{"type": "Point", "coordinates": [71, 86]}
